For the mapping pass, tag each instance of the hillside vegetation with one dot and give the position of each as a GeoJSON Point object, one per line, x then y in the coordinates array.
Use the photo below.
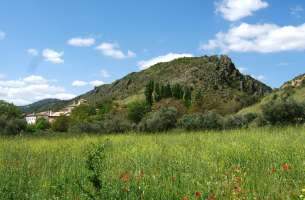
{"type": "Point", "coordinates": [224, 88]}
{"type": "Point", "coordinates": [293, 89]}
{"type": "Point", "coordinates": [244, 164]}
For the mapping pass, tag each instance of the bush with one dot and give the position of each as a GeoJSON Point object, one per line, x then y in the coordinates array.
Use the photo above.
{"type": "Point", "coordinates": [159, 121]}
{"type": "Point", "coordinates": [137, 110]}
{"type": "Point", "coordinates": [116, 123]}
{"type": "Point", "coordinates": [283, 111]}
{"type": "Point", "coordinates": [209, 121]}
{"type": "Point", "coordinates": [61, 124]}
{"type": "Point", "coordinates": [239, 121]}
{"type": "Point", "coordinates": [86, 127]}
{"type": "Point", "coordinates": [42, 124]}
{"type": "Point", "coordinates": [15, 126]}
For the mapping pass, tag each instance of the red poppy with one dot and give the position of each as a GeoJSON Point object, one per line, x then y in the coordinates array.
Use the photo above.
{"type": "Point", "coordinates": [125, 177]}
{"type": "Point", "coordinates": [273, 170]}
{"type": "Point", "coordinates": [285, 167]}
{"type": "Point", "coordinates": [198, 195]}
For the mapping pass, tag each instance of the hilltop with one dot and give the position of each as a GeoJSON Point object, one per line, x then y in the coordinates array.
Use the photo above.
{"type": "Point", "coordinates": [294, 89]}
{"type": "Point", "coordinates": [224, 88]}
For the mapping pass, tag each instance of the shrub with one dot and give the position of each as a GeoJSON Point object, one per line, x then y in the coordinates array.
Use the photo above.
{"type": "Point", "coordinates": [116, 123]}
{"type": "Point", "coordinates": [137, 110]}
{"type": "Point", "coordinates": [159, 121]}
{"type": "Point", "coordinates": [42, 124]}
{"type": "Point", "coordinates": [283, 111]}
{"type": "Point", "coordinates": [238, 121]}
{"type": "Point", "coordinates": [208, 121]}
{"type": "Point", "coordinates": [15, 126]}
{"type": "Point", "coordinates": [82, 113]}
{"type": "Point", "coordinates": [86, 127]}
{"type": "Point", "coordinates": [61, 124]}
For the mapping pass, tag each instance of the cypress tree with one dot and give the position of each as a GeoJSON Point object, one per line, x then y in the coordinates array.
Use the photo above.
{"type": "Point", "coordinates": [157, 93]}
{"type": "Point", "coordinates": [149, 90]}
{"type": "Point", "coordinates": [168, 91]}
{"type": "Point", "coordinates": [187, 98]}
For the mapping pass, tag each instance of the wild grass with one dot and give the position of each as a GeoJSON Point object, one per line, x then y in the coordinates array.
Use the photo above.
{"type": "Point", "coordinates": [267, 163]}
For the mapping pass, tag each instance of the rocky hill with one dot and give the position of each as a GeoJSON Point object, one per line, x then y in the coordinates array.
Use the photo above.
{"type": "Point", "coordinates": [224, 88]}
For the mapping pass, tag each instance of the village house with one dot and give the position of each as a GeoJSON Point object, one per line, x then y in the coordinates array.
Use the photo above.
{"type": "Point", "coordinates": [51, 116]}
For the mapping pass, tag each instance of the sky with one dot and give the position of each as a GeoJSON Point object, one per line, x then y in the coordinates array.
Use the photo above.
{"type": "Point", "coordinates": [60, 49]}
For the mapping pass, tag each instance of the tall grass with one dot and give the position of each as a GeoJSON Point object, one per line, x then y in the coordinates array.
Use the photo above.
{"type": "Point", "coordinates": [266, 163]}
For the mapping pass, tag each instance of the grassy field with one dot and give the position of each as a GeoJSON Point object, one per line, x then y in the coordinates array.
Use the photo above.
{"type": "Point", "coordinates": [264, 163]}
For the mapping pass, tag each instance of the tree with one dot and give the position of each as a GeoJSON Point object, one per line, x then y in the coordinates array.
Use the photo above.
{"type": "Point", "coordinates": [168, 91]}
{"type": "Point", "coordinates": [284, 111]}
{"type": "Point", "coordinates": [137, 110]}
{"type": "Point", "coordinates": [9, 111]}
{"type": "Point", "coordinates": [42, 124]}
{"type": "Point", "coordinates": [61, 124]}
{"type": "Point", "coordinates": [157, 93]}
{"type": "Point", "coordinates": [187, 98]}
{"type": "Point", "coordinates": [177, 91]}
{"type": "Point", "coordinates": [82, 113]}
{"type": "Point", "coordinates": [149, 89]}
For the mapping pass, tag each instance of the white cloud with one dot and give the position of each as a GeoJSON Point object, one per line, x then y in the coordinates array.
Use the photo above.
{"type": "Point", "coordinates": [31, 89]}
{"type": "Point", "coordinates": [242, 69]}
{"type": "Point", "coordinates": [297, 11]}
{"type": "Point", "coordinates": [262, 38]}
{"type": "Point", "coordinates": [2, 35]}
{"type": "Point", "coordinates": [32, 52]}
{"type": "Point", "coordinates": [79, 83]}
{"type": "Point", "coordinates": [144, 64]}
{"type": "Point", "coordinates": [104, 73]}
{"type": "Point", "coordinates": [81, 42]}
{"type": "Point", "coordinates": [96, 83]}
{"type": "Point", "coordinates": [234, 10]}
{"type": "Point", "coordinates": [113, 50]}
{"type": "Point", "coordinates": [53, 56]}
{"type": "Point", "coordinates": [259, 77]}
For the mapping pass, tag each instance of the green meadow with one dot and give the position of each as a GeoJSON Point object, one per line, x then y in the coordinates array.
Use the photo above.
{"type": "Point", "coordinates": [267, 163]}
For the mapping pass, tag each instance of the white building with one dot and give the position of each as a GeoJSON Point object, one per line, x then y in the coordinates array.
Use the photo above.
{"type": "Point", "coordinates": [51, 116]}
{"type": "Point", "coordinates": [31, 118]}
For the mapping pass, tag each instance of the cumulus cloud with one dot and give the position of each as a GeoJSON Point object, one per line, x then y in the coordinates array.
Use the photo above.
{"type": "Point", "coordinates": [30, 89]}
{"type": "Point", "coordinates": [242, 69]}
{"type": "Point", "coordinates": [104, 73]}
{"type": "Point", "coordinates": [79, 83]}
{"type": "Point", "coordinates": [53, 56]}
{"type": "Point", "coordinates": [2, 35]}
{"type": "Point", "coordinates": [32, 52]}
{"type": "Point", "coordinates": [113, 50]}
{"type": "Point", "coordinates": [2, 76]}
{"type": "Point", "coordinates": [262, 38]}
{"type": "Point", "coordinates": [259, 77]}
{"type": "Point", "coordinates": [81, 42]}
{"type": "Point", "coordinates": [96, 83]}
{"type": "Point", "coordinates": [234, 10]}
{"type": "Point", "coordinates": [144, 64]}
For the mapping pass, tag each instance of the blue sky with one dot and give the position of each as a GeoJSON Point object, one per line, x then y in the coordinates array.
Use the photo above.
{"type": "Point", "coordinates": [63, 48]}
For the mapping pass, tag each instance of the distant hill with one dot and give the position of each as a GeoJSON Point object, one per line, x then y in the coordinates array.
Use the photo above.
{"type": "Point", "coordinates": [294, 88]}
{"type": "Point", "coordinates": [224, 88]}
{"type": "Point", "coordinates": [43, 105]}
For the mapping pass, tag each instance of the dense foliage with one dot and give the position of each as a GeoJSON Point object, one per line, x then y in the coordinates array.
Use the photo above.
{"type": "Point", "coordinates": [11, 119]}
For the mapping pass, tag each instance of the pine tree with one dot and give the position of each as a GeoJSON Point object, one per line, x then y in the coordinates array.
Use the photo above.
{"type": "Point", "coordinates": [149, 90]}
